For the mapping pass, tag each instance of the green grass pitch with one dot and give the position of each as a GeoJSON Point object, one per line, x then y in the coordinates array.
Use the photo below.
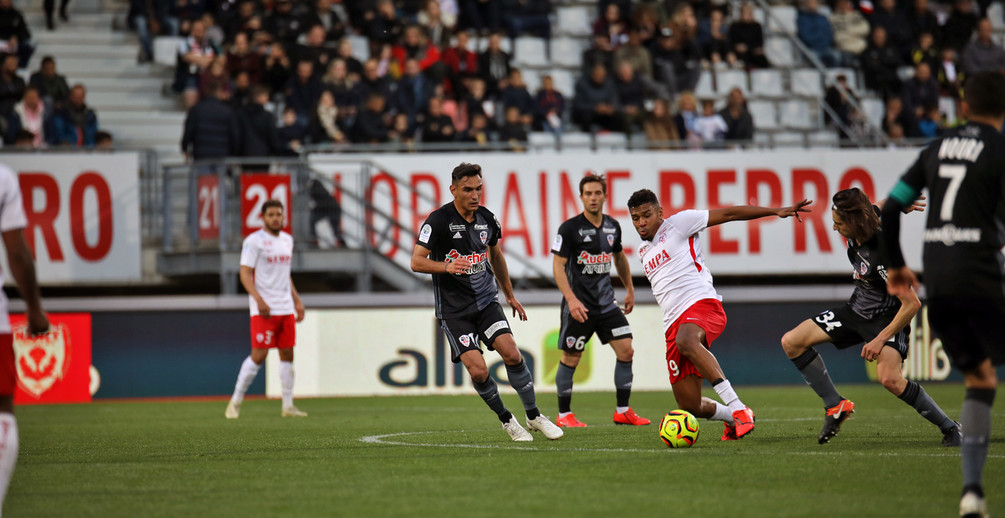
{"type": "Point", "coordinates": [448, 456]}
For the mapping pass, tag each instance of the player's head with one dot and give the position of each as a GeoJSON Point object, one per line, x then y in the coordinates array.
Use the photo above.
{"type": "Point", "coordinates": [854, 217]}
{"type": "Point", "coordinates": [466, 186]}
{"type": "Point", "coordinates": [593, 193]}
{"type": "Point", "coordinates": [272, 215]}
{"type": "Point", "coordinates": [982, 95]}
{"type": "Point", "coordinates": [647, 215]}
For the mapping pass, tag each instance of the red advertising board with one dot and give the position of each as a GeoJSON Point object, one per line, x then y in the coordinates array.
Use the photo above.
{"type": "Point", "coordinates": [256, 189]}
{"type": "Point", "coordinates": [56, 367]}
{"type": "Point", "coordinates": [209, 206]}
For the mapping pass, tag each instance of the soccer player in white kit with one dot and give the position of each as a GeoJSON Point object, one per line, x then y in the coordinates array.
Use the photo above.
{"type": "Point", "coordinates": [692, 314]}
{"type": "Point", "coordinates": [275, 306]}
{"type": "Point", "coordinates": [22, 269]}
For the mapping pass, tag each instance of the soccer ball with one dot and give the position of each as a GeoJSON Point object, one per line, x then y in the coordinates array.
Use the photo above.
{"type": "Point", "coordinates": [679, 429]}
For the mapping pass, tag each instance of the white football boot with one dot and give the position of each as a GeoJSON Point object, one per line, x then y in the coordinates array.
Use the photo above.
{"type": "Point", "coordinates": [233, 410]}
{"type": "Point", "coordinates": [516, 432]}
{"type": "Point", "coordinates": [544, 425]}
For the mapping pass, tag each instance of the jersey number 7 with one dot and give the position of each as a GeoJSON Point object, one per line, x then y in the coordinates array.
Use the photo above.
{"type": "Point", "coordinates": [955, 173]}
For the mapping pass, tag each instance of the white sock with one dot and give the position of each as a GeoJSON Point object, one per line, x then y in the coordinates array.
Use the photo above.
{"type": "Point", "coordinates": [728, 396]}
{"type": "Point", "coordinates": [8, 451]}
{"type": "Point", "coordinates": [245, 376]}
{"type": "Point", "coordinates": [722, 413]}
{"type": "Point", "coordinates": [563, 414]}
{"type": "Point", "coordinates": [621, 409]}
{"type": "Point", "coordinates": [286, 378]}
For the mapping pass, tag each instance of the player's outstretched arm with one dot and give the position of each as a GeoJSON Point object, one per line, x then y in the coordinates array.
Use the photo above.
{"type": "Point", "coordinates": [22, 269]}
{"type": "Point", "coordinates": [248, 281]}
{"type": "Point", "coordinates": [498, 262]}
{"type": "Point", "coordinates": [625, 275]}
{"type": "Point", "coordinates": [748, 212]}
{"type": "Point", "coordinates": [917, 206]}
{"type": "Point", "coordinates": [576, 307]}
{"type": "Point", "coordinates": [909, 306]}
{"type": "Point", "coordinates": [421, 263]}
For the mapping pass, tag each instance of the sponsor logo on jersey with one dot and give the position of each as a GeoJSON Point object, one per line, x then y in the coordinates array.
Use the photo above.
{"type": "Point", "coordinates": [643, 250]}
{"type": "Point", "coordinates": [587, 239]}
{"type": "Point", "coordinates": [484, 236]}
{"type": "Point", "coordinates": [610, 239]}
{"type": "Point", "coordinates": [609, 230]}
{"type": "Point", "coordinates": [587, 231]}
{"type": "Point", "coordinates": [457, 235]}
{"type": "Point", "coordinates": [556, 245]}
{"type": "Point", "coordinates": [494, 328]}
{"type": "Point", "coordinates": [457, 228]}
{"type": "Point", "coordinates": [595, 263]}
{"type": "Point", "coordinates": [662, 258]}
{"type": "Point", "coordinates": [425, 233]}
{"type": "Point", "coordinates": [950, 234]}
{"type": "Point", "coordinates": [479, 226]}
{"type": "Point", "coordinates": [621, 331]}
{"type": "Point", "coordinates": [279, 259]}
{"type": "Point", "coordinates": [663, 237]}
{"type": "Point", "coordinates": [479, 262]}
{"type": "Point", "coordinates": [40, 361]}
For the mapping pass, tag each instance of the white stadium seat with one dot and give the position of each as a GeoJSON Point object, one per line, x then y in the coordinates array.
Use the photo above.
{"type": "Point", "coordinates": [763, 113]}
{"type": "Point", "coordinates": [726, 80]}
{"type": "Point", "coordinates": [530, 51]}
{"type": "Point", "coordinates": [796, 114]}
{"type": "Point", "coordinates": [575, 21]}
{"type": "Point", "coordinates": [779, 52]}
{"type": "Point", "coordinates": [565, 83]}
{"type": "Point", "coordinates": [806, 82]}
{"type": "Point", "coordinates": [767, 82]}
{"type": "Point", "coordinates": [567, 52]}
{"type": "Point", "coordinates": [782, 19]}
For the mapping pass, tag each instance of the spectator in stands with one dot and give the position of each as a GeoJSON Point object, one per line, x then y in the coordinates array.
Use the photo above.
{"type": "Point", "coordinates": [344, 52]}
{"type": "Point", "coordinates": [181, 14]}
{"type": "Point", "coordinates": [982, 53]}
{"type": "Point", "coordinates": [461, 64]}
{"type": "Point", "coordinates": [659, 125]}
{"type": "Point", "coordinates": [292, 134]}
{"type": "Point", "coordinates": [950, 75]}
{"type": "Point", "coordinates": [240, 20]}
{"type": "Point", "coordinates": [49, 6]}
{"type": "Point", "coordinates": [595, 105]}
{"type": "Point", "coordinates": [513, 132]}
{"type": "Point", "coordinates": [11, 85]}
{"type": "Point", "coordinates": [372, 83]}
{"type": "Point", "coordinates": [477, 132]}
{"type": "Point", "coordinates": [960, 25]}
{"type": "Point", "coordinates": [925, 51]}
{"type": "Point", "coordinates": [325, 206]}
{"type": "Point", "coordinates": [631, 97]}
{"type": "Point", "coordinates": [838, 97]}
{"type": "Point", "coordinates": [277, 70]}
{"type": "Point", "coordinates": [214, 32]}
{"type": "Point", "coordinates": [897, 117]}
{"type": "Point", "coordinates": [415, 45]}
{"type": "Point", "coordinates": [600, 52]}
{"type": "Point", "coordinates": [646, 20]}
{"type": "Point", "coordinates": [920, 91]}
{"type": "Point", "coordinates": [212, 129]}
{"type": "Point", "coordinates": [344, 91]}
{"type": "Point", "coordinates": [435, 126]}
{"type": "Point", "coordinates": [930, 123]}
{"type": "Point", "coordinates": [31, 115]}
{"type": "Point", "coordinates": [516, 95]}
{"type": "Point", "coordinates": [641, 62]}
{"type": "Point", "coordinates": [612, 25]}
{"type": "Point", "coordinates": [434, 21]}
{"type": "Point", "coordinates": [74, 124]}
{"type": "Point", "coordinates": [851, 31]}
{"type": "Point", "coordinates": [195, 54]}
{"type": "Point", "coordinates": [314, 50]}
{"type": "Point", "coordinates": [896, 25]}
{"type": "Point", "coordinates": [24, 139]}
{"type": "Point", "coordinates": [323, 15]}
{"type": "Point", "coordinates": [146, 19]}
{"type": "Point", "coordinates": [260, 132]}
{"type": "Point", "coordinates": [746, 39]}
{"type": "Point", "coordinates": [921, 19]}
{"type": "Point", "coordinates": [528, 17]}
{"type": "Point", "coordinates": [739, 123]}
{"type": "Point", "coordinates": [677, 58]}
{"type": "Point", "coordinates": [712, 37]}
{"type": "Point", "coordinates": [814, 29]}
{"type": "Point", "coordinates": [303, 90]}
{"type": "Point", "coordinates": [879, 65]}
{"type": "Point", "coordinates": [384, 27]}
{"type": "Point", "coordinates": [401, 133]}
{"type": "Point", "coordinates": [323, 127]}
{"type": "Point", "coordinates": [51, 85]}
{"type": "Point", "coordinates": [215, 76]}
{"type": "Point", "coordinates": [371, 125]}
{"type": "Point", "coordinates": [241, 58]}
{"type": "Point", "coordinates": [481, 15]}
{"type": "Point", "coordinates": [283, 24]}
{"type": "Point", "coordinates": [710, 125]}
{"type": "Point", "coordinates": [477, 103]}
{"type": "Point", "coordinates": [15, 33]}
{"type": "Point", "coordinates": [494, 65]}
{"type": "Point", "coordinates": [240, 90]}
{"type": "Point", "coordinates": [414, 91]}
{"type": "Point", "coordinates": [549, 107]}
{"type": "Point", "coordinates": [687, 112]}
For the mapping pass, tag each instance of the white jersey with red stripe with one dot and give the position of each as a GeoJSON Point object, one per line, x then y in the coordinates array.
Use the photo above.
{"type": "Point", "coordinates": [11, 218]}
{"type": "Point", "coordinates": [674, 264]}
{"type": "Point", "coordinates": [271, 257]}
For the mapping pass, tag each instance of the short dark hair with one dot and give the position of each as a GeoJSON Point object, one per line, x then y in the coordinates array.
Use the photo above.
{"type": "Point", "coordinates": [102, 136]}
{"type": "Point", "coordinates": [983, 93]}
{"type": "Point", "coordinates": [271, 203]}
{"type": "Point", "coordinates": [593, 177]}
{"type": "Point", "coordinates": [642, 197]}
{"type": "Point", "coordinates": [465, 170]}
{"type": "Point", "coordinates": [48, 59]}
{"type": "Point", "coordinates": [855, 210]}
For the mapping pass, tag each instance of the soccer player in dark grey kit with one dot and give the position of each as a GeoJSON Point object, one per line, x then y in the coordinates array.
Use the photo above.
{"type": "Point", "coordinates": [584, 249]}
{"type": "Point", "coordinates": [963, 261]}
{"type": "Point", "coordinates": [871, 316]}
{"type": "Point", "coordinates": [459, 245]}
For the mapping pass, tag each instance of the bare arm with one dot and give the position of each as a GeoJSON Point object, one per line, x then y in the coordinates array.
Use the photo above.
{"type": "Point", "coordinates": [909, 306]}
{"type": "Point", "coordinates": [498, 263]}
{"type": "Point", "coordinates": [298, 305]}
{"type": "Point", "coordinates": [421, 263]}
{"type": "Point", "coordinates": [22, 269]}
{"type": "Point", "coordinates": [625, 275]}
{"type": "Point", "coordinates": [248, 281]}
{"type": "Point", "coordinates": [576, 308]}
{"type": "Point", "coordinates": [748, 212]}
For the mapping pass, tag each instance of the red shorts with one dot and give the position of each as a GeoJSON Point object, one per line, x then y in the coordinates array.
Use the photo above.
{"type": "Point", "coordinates": [278, 331]}
{"type": "Point", "coordinates": [710, 317]}
{"type": "Point", "coordinates": [8, 373]}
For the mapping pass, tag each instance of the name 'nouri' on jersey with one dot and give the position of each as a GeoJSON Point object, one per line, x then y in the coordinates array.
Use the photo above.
{"type": "Point", "coordinates": [589, 251]}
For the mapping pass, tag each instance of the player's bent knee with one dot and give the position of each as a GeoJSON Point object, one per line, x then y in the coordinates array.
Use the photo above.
{"type": "Point", "coordinates": [791, 345]}
{"type": "Point", "coordinates": [478, 374]}
{"type": "Point", "coordinates": [689, 346]}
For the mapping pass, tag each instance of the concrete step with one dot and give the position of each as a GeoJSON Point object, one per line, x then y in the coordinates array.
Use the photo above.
{"type": "Point", "coordinates": [78, 21]}
{"type": "Point", "coordinates": [80, 68]}
{"type": "Point", "coordinates": [144, 132]}
{"type": "Point", "coordinates": [64, 52]}
{"type": "Point", "coordinates": [101, 101]}
{"type": "Point", "coordinates": [149, 85]}
{"type": "Point", "coordinates": [107, 37]}
{"type": "Point", "coordinates": [154, 118]}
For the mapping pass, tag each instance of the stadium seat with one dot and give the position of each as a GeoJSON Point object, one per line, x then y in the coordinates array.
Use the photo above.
{"type": "Point", "coordinates": [611, 141]}
{"type": "Point", "coordinates": [541, 141]}
{"type": "Point", "coordinates": [705, 87]}
{"type": "Point", "coordinates": [787, 139]}
{"type": "Point", "coordinates": [873, 109]}
{"type": "Point", "coordinates": [576, 141]}
{"type": "Point", "coordinates": [726, 80]}
{"type": "Point", "coordinates": [996, 13]}
{"type": "Point", "coordinates": [782, 19]}
{"type": "Point", "coordinates": [567, 52]}
{"type": "Point", "coordinates": [574, 21]}
{"type": "Point", "coordinates": [565, 83]}
{"type": "Point", "coordinates": [532, 79]}
{"type": "Point", "coordinates": [778, 49]}
{"type": "Point", "coordinates": [823, 139]}
{"type": "Point", "coordinates": [806, 82]}
{"type": "Point", "coordinates": [763, 113]}
{"type": "Point", "coordinates": [947, 106]}
{"type": "Point", "coordinates": [530, 51]}
{"type": "Point", "coordinates": [360, 47]}
{"type": "Point", "coordinates": [767, 82]}
{"type": "Point", "coordinates": [166, 50]}
{"type": "Point", "coordinates": [905, 73]}
{"type": "Point", "coordinates": [762, 139]}
{"type": "Point", "coordinates": [796, 114]}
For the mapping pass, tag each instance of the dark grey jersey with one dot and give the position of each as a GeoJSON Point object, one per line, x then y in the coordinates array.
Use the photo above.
{"type": "Point", "coordinates": [449, 236]}
{"type": "Point", "coordinates": [590, 253]}
{"type": "Point", "coordinates": [870, 298]}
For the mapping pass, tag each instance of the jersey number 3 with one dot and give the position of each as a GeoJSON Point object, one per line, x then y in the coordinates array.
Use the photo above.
{"type": "Point", "coordinates": [955, 173]}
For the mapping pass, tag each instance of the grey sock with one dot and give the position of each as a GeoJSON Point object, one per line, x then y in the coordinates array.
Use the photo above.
{"type": "Point", "coordinates": [623, 381]}
{"type": "Point", "coordinates": [916, 396]}
{"type": "Point", "coordinates": [522, 381]}
{"type": "Point", "coordinates": [563, 384]}
{"type": "Point", "coordinates": [975, 419]}
{"type": "Point", "coordinates": [490, 393]}
{"type": "Point", "coordinates": [812, 367]}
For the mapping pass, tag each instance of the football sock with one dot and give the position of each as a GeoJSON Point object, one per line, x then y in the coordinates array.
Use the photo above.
{"type": "Point", "coordinates": [811, 366]}
{"type": "Point", "coordinates": [975, 419]}
{"type": "Point", "coordinates": [728, 395]}
{"type": "Point", "coordinates": [490, 394]}
{"type": "Point", "coordinates": [722, 413]}
{"type": "Point", "coordinates": [522, 381]}
{"type": "Point", "coordinates": [623, 383]}
{"type": "Point", "coordinates": [245, 376]}
{"type": "Point", "coordinates": [8, 451]}
{"type": "Point", "coordinates": [916, 396]}
{"type": "Point", "coordinates": [563, 385]}
{"type": "Point", "coordinates": [286, 379]}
